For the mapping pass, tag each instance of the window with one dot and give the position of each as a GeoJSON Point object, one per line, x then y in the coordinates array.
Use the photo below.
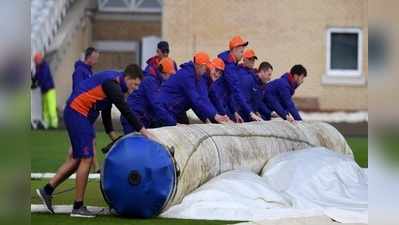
{"type": "Point", "coordinates": [344, 56]}
{"type": "Point", "coordinates": [130, 5]}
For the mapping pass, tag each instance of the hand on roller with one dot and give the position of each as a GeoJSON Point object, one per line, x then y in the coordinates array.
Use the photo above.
{"type": "Point", "coordinates": [228, 119]}
{"type": "Point", "coordinates": [255, 117]}
{"type": "Point", "coordinates": [148, 134]}
{"type": "Point", "coordinates": [113, 136]}
{"type": "Point", "coordinates": [238, 118]}
{"type": "Point", "coordinates": [222, 119]}
{"type": "Point", "coordinates": [290, 118]}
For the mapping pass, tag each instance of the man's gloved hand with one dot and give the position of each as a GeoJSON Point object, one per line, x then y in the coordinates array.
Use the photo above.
{"type": "Point", "coordinates": [108, 147]}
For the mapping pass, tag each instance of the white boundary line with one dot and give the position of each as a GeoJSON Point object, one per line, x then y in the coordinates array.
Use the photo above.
{"type": "Point", "coordinates": [66, 209]}
{"type": "Point", "coordinates": [39, 176]}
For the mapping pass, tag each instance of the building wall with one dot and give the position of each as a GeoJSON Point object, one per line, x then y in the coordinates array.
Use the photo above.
{"type": "Point", "coordinates": [100, 29]}
{"type": "Point", "coordinates": [124, 29]}
{"type": "Point", "coordinates": [120, 27]}
{"type": "Point", "coordinates": [283, 32]}
{"type": "Point", "coordinates": [115, 60]}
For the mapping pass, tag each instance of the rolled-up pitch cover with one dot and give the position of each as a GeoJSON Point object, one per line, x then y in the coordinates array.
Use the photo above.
{"type": "Point", "coordinates": [138, 176]}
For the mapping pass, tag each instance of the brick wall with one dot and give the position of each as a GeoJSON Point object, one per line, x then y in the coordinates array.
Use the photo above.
{"type": "Point", "coordinates": [283, 32]}
{"type": "Point", "coordinates": [124, 30]}
{"type": "Point", "coordinates": [115, 60]}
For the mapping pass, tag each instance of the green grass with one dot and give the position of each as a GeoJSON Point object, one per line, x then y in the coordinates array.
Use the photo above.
{"type": "Point", "coordinates": [93, 194]}
{"type": "Point", "coordinates": [359, 146]}
{"type": "Point", "coordinates": [388, 142]}
{"type": "Point", "coordinates": [94, 197]}
{"type": "Point", "coordinates": [48, 150]}
{"type": "Point", "coordinates": [43, 219]}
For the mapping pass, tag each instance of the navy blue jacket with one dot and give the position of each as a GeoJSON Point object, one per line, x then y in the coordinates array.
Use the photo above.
{"type": "Point", "coordinates": [181, 92]}
{"type": "Point", "coordinates": [220, 96]}
{"type": "Point", "coordinates": [260, 101]}
{"type": "Point", "coordinates": [204, 90]}
{"type": "Point", "coordinates": [44, 77]}
{"type": "Point", "coordinates": [82, 72]}
{"type": "Point", "coordinates": [253, 91]}
{"type": "Point", "coordinates": [152, 65]}
{"type": "Point", "coordinates": [233, 83]}
{"type": "Point", "coordinates": [143, 102]}
{"type": "Point", "coordinates": [278, 96]}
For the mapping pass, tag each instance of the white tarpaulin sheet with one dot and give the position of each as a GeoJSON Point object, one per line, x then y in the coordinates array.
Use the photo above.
{"type": "Point", "coordinates": [305, 183]}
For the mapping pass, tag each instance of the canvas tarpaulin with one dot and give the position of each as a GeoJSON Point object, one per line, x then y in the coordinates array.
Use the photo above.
{"type": "Point", "coordinates": [314, 182]}
{"type": "Point", "coordinates": [204, 151]}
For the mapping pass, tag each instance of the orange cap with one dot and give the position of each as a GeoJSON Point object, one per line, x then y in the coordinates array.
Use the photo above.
{"type": "Point", "coordinates": [201, 58]}
{"type": "Point", "coordinates": [249, 53]}
{"type": "Point", "coordinates": [237, 41]}
{"type": "Point", "coordinates": [217, 63]}
{"type": "Point", "coordinates": [38, 57]}
{"type": "Point", "coordinates": [168, 65]}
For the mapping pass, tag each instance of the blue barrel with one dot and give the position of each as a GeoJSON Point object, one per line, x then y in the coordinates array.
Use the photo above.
{"type": "Point", "coordinates": [138, 177]}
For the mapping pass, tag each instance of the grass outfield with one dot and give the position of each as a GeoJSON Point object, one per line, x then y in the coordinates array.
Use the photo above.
{"type": "Point", "coordinates": [107, 220]}
{"type": "Point", "coordinates": [359, 147]}
{"type": "Point", "coordinates": [94, 197]}
{"type": "Point", "coordinates": [48, 150]}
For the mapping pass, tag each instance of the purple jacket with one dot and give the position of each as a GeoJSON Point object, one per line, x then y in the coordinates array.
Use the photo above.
{"type": "Point", "coordinates": [278, 96]}
{"type": "Point", "coordinates": [152, 66]}
{"type": "Point", "coordinates": [231, 77]}
{"type": "Point", "coordinates": [220, 96]}
{"type": "Point", "coordinates": [82, 72]}
{"type": "Point", "coordinates": [183, 91]}
{"type": "Point", "coordinates": [253, 91]}
{"type": "Point", "coordinates": [143, 102]}
{"type": "Point", "coordinates": [44, 77]}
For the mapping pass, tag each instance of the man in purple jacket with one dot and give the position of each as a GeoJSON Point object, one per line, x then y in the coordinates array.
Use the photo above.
{"type": "Point", "coordinates": [96, 94]}
{"type": "Point", "coordinates": [143, 101]}
{"type": "Point", "coordinates": [44, 79]}
{"type": "Point", "coordinates": [83, 69]}
{"type": "Point", "coordinates": [231, 78]}
{"type": "Point", "coordinates": [252, 85]}
{"type": "Point", "coordinates": [153, 62]}
{"type": "Point", "coordinates": [183, 91]}
{"type": "Point", "coordinates": [279, 92]}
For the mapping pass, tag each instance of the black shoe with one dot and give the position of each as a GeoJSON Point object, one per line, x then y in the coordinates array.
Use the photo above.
{"type": "Point", "coordinates": [82, 212]}
{"type": "Point", "coordinates": [46, 199]}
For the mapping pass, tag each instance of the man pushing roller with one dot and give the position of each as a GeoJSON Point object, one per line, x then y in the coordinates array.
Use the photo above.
{"type": "Point", "coordinates": [96, 94]}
